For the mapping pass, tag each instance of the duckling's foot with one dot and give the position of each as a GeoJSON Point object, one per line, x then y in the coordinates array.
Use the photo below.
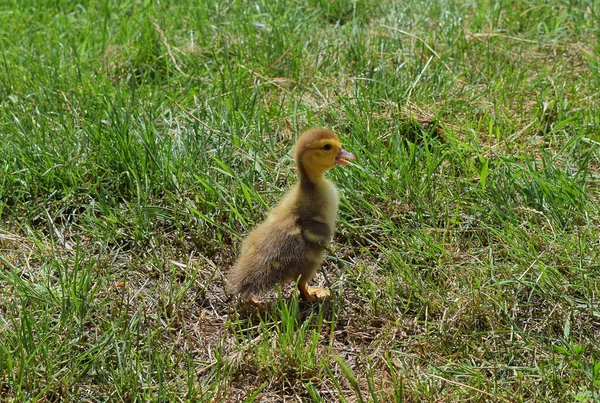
{"type": "Point", "coordinates": [313, 294]}
{"type": "Point", "coordinates": [320, 293]}
{"type": "Point", "coordinates": [256, 303]}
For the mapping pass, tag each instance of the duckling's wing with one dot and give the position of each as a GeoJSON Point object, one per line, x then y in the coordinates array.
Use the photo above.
{"type": "Point", "coordinates": [315, 231]}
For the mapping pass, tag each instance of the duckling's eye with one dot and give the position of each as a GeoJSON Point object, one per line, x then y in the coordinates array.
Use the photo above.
{"type": "Point", "coordinates": [327, 147]}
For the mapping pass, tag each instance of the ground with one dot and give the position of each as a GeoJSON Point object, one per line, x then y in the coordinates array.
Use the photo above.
{"type": "Point", "coordinates": [142, 140]}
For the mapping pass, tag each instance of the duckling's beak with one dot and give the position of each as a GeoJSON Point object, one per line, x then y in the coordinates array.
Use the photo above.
{"type": "Point", "coordinates": [344, 155]}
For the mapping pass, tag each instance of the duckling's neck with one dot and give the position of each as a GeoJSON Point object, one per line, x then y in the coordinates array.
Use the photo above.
{"type": "Point", "coordinates": [309, 179]}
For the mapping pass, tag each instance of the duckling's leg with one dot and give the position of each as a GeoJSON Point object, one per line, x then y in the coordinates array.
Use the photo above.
{"type": "Point", "coordinates": [312, 294]}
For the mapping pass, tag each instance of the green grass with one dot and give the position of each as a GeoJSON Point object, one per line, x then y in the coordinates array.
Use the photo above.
{"type": "Point", "coordinates": [140, 141]}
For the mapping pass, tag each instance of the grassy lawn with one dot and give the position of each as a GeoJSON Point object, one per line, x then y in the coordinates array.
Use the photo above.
{"type": "Point", "coordinates": [140, 141]}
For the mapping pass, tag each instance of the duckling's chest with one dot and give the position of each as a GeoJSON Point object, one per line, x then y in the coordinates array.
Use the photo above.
{"type": "Point", "coordinates": [330, 204]}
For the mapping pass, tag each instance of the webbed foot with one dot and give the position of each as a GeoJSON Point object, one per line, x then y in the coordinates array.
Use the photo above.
{"type": "Point", "coordinates": [256, 303]}
{"type": "Point", "coordinates": [313, 294]}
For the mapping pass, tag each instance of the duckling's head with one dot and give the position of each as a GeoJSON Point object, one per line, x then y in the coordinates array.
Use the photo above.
{"type": "Point", "coordinates": [318, 150]}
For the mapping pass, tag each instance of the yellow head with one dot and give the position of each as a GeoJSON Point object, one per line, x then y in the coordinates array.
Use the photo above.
{"type": "Point", "coordinates": [318, 150]}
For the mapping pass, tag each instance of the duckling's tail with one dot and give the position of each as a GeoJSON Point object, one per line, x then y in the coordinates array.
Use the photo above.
{"type": "Point", "coordinates": [248, 282]}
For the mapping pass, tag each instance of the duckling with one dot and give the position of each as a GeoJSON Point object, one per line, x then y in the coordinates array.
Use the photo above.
{"type": "Point", "coordinates": [289, 244]}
